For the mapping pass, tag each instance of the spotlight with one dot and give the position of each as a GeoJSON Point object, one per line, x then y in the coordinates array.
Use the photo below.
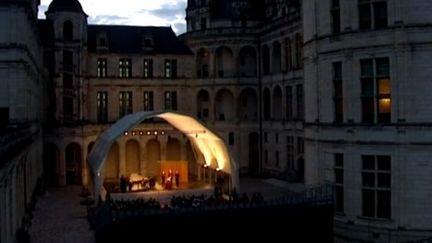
{"type": "Point", "coordinates": [141, 133]}
{"type": "Point", "coordinates": [155, 133]}
{"type": "Point", "coordinates": [162, 132]}
{"type": "Point", "coordinates": [218, 169]}
{"type": "Point", "coordinates": [148, 133]}
{"type": "Point", "coordinates": [133, 133]}
{"type": "Point", "coordinates": [126, 133]}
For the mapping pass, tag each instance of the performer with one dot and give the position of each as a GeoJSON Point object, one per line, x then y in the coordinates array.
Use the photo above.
{"type": "Point", "coordinates": [163, 178]}
{"type": "Point", "coordinates": [177, 178]}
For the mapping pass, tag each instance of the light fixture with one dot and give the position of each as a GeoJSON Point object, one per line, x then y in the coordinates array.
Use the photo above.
{"type": "Point", "coordinates": [155, 132]}
{"type": "Point", "coordinates": [148, 133]}
{"type": "Point", "coordinates": [162, 132]}
{"type": "Point", "coordinates": [218, 169]}
{"type": "Point", "coordinates": [126, 133]}
{"type": "Point", "coordinates": [141, 133]}
{"type": "Point", "coordinates": [133, 133]}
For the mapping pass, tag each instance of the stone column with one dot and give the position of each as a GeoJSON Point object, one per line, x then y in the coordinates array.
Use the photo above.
{"type": "Point", "coordinates": [143, 157]}
{"type": "Point", "coordinates": [85, 168]}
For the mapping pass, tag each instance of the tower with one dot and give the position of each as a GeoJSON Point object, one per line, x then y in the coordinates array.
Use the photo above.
{"type": "Point", "coordinates": [70, 37]}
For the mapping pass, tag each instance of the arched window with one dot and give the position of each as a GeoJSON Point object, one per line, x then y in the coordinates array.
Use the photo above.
{"type": "Point", "coordinates": [67, 30]}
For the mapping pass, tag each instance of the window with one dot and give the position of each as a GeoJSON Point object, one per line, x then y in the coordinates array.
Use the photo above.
{"type": "Point", "coordinates": [68, 61]}
{"type": "Point", "coordinates": [376, 95]}
{"type": "Point", "coordinates": [300, 108]}
{"type": "Point", "coordinates": [298, 51]}
{"type": "Point", "coordinates": [170, 100]}
{"type": "Point", "coordinates": [125, 68]}
{"type": "Point", "coordinates": [68, 81]}
{"type": "Point", "coordinates": [4, 117]}
{"type": "Point", "coordinates": [102, 68]}
{"type": "Point", "coordinates": [171, 68]}
{"type": "Point", "coordinates": [148, 101]}
{"type": "Point", "coordinates": [339, 182]}
{"type": "Point", "coordinates": [266, 157]}
{"type": "Point", "coordinates": [338, 92]}
{"type": "Point", "coordinates": [376, 186]}
{"type": "Point", "coordinates": [231, 138]}
{"type": "Point", "coordinates": [288, 54]}
{"type": "Point", "coordinates": [290, 152]}
{"type": "Point", "coordinates": [300, 145]}
{"type": "Point", "coordinates": [277, 138]}
{"type": "Point", "coordinates": [289, 103]}
{"type": "Point", "coordinates": [372, 14]}
{"type": "Point", "coordinates": [68, 108]}
{"type": "Point", "coordinates": [203, 23]}
{"type": "Point", "coordinates": [277, 159]}
{"type": "Point", "coordinates": [67, 31]}
{"type": "Point", "coordinates": [102, 107]}
{"type": "Point", "coordinates": [148, 68]}
{"type": "Point", "coordinates": [335, 16]}
{"type": "Point", "coordinates": [125, 98]}
{"type": "Point", "coordinates": [265, 137]}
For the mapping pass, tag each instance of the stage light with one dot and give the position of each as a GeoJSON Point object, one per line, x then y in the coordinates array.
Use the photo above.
{"type": "Point", "coordinates": [141, 133]}
{"type": "Point", "coordinates": [133, 133]}
{"type": "Point", "coordinates": [148, 133]}
{"type": "Point", "coordinates": [218, 169]}
{"type": "Point", "coordinates": [162, 132]}
{"type": "Point", "coordinates": [126, 133]}
{"type": "Point", "coordinates": [155, 133]}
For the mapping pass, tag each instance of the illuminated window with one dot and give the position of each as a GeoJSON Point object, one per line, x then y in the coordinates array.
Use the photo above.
{"type": "Point", "coordinates": [102, 68]}
{"type": "Point", "coordinates": [102, 106]}
{"type": "Point", "coordinates": [125, 103]}
{"type": "Point", "coordinates": [148, 68]}
{"type": "Point", "coordinates": [170, 68]}
{"type": "Point", "coordinates": [335, 16]}
{"type": "Point", "coordinates": [125, 68]}
{"type": "Point", "coordinates": [339, 182]}
{"type": "Point", "coordinates": [376, 90]}
{"type": "Point", "coordinates": [376, 186]}
{"type": "Point", "coordinates": [170, 100]}
{"type": "Point", "coordinates": [338, 92]}
{"type": "Point", "coordinates": [372, 14]}
{"type": "Point", "coordinates": [148, 100]}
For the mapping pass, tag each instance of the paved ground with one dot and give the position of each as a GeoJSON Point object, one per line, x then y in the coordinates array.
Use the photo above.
{"type": "Point", "coordinates": [59, 218]}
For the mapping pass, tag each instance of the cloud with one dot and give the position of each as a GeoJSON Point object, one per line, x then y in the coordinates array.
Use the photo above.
{"type": "Point", "coordinates": [134, 12]}
{"type": "Point", "coordinates": [108, 19]}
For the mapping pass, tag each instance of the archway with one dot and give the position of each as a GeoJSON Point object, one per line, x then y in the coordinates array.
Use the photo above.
{"type": "Point", "coordinates": [224, 62]}
{"type": "Point", "coordinates": [224, 105]}
{"type": "Point", "coordinates": [73, 164]}
{"type": "Point", "coordinates": [277, 57]}
{"type": "Point", "coordinates": [254, 153]}
{"type": "Point", "coordinates": [203, 104]}
{"type": "Point", "coordinates": [67, 30]}
{"type": "Point", "coordinates": [173, 150]}
{"type": "Point", "coordinates": [51, 159]}
{"type": "Point", "coordinates": [203, 63]}
{"type": "Point", "coordinates": [266, 59]}
{"type": "Point", "coordinates": [248, 105]}
{"type": "Point", "coordinates": [112, 163]}
{"type": "Point", "coordinates": [277, 103]}
{"type": "Point", "coordinates": [132, 157]}
{"type": "Point", "coordinates": [153, 158]}
{"type": "Point", "coordinates": [247, 62]}
{"type": "Point", "coordinates": [267, 104]}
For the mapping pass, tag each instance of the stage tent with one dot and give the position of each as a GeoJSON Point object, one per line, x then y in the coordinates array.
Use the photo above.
{"type": "Point", "coordinates": [203, 141]}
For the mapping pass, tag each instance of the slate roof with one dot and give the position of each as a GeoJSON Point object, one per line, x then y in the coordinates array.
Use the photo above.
{"type": "Point", "coordinates": [129, 39]}
{"type": "Point", "coordinates": [66, 6]}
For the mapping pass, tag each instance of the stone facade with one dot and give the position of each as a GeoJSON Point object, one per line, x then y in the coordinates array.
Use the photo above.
{"type": "Point", "coordinates": [367, 125]}
{"type": "Point", "coordinates": [22, 114]}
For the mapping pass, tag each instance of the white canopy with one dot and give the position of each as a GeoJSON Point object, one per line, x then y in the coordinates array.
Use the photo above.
{"type": "Point", "coordinates": [209, 145]}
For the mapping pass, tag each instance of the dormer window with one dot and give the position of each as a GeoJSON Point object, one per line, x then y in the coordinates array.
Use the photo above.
{"type": "Point", "coordinates": [102, 41]}
{"type": "Point", "coordinates": [147, 43]}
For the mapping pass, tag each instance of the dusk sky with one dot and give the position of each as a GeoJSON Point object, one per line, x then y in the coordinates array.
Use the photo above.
{"type": "Point", "coordinates": [132, 12]}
